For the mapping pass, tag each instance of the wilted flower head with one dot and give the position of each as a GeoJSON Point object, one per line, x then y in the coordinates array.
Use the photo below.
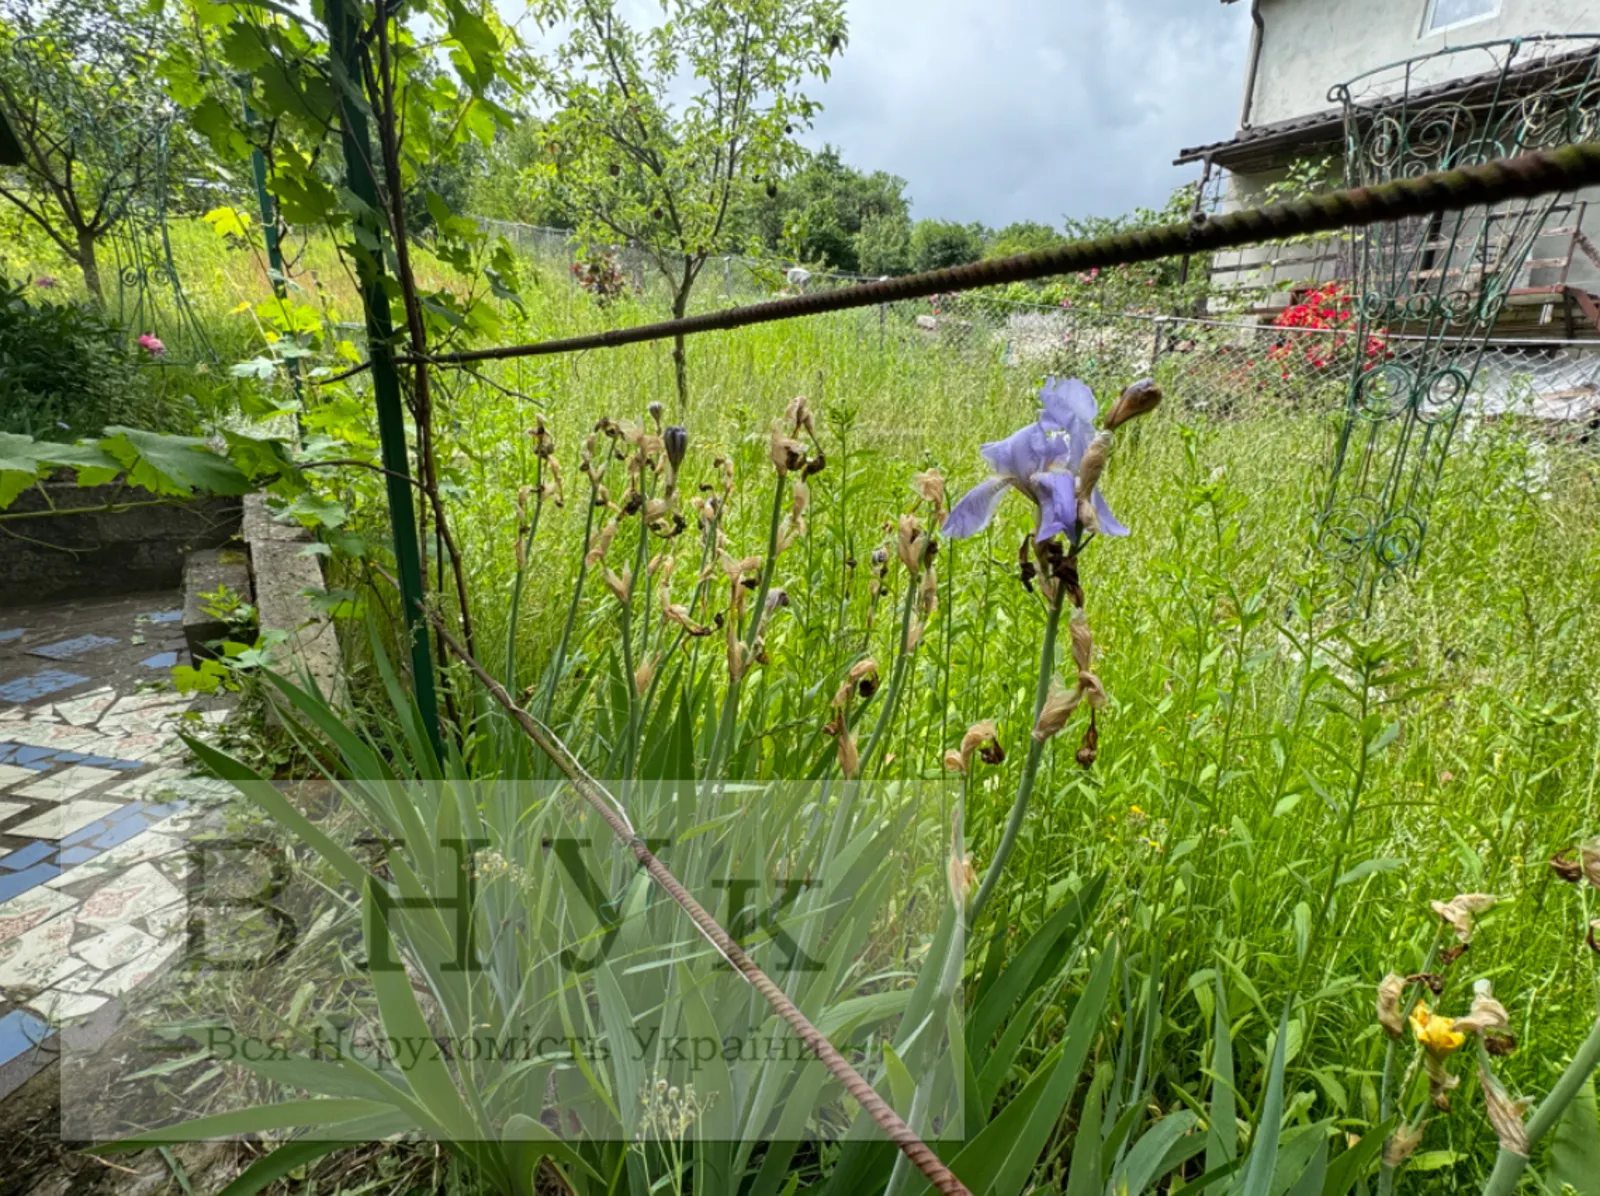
{"type": "Point", "coordinates": [1041, 461]}
{"type": "Point", "coordinates": [1402, 1144]}
{"type": "Point", "coordinates": [963, 877]}
{"type": "Point", "coordinates": [1505, 1115]}
{"type": "Point", "coordinates": [1487, 1013]}
{"type": "Point", "coordinates": [1143, 396]}
{"type": "Point", "coordinates": [1058, 707]}
{"type": "Point", "coordinates": [1589, 853]}
{"type": "Point", "coordinates": [1460, 910]}
{"type": "Point", "coordinates": [1390, 1017]}
{"type": "Point", "coordinates": [151, 344]}
{"type": "Point", "coordinates": [982, 740]}
{"type": "Point", "coordinates": [929, 485]}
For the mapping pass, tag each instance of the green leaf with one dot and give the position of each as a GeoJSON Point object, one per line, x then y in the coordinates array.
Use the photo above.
{"type": "Point", "coordinates": [1262, 1162]}
{"type": "Point", "coordinates": [424, 1068]}
{"type": "Point", "coordinates": [256, 1119]}
{"type": "Point", "coordinates": [1004, 1153]}
{"type": "Point", "coordinates": [533, 1143]}
{"type": "Point", "coordinates": [1156, 1153]}
{"type": "Point", "coordinates": [176, 465]}
{"type": "Point", "coordinates": [1575, 1147]}
{"type": "Point", "coordinates": [1368, 868]}
{"type": "Point", "coordinates": [1222, 1136]}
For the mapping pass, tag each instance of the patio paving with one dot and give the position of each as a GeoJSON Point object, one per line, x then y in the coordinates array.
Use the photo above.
{"type": "Point", "coordinates": [94, 792]}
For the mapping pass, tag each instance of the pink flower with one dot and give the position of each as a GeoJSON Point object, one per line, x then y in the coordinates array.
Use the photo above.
{"type": "Point", "coordinates": [151, 344]}
{"type": "Point", "coordinates": [44, 280]}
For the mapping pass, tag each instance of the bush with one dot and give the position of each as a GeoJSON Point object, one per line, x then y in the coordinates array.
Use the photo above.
{"type": "Point", "coordinates": [66, 370]}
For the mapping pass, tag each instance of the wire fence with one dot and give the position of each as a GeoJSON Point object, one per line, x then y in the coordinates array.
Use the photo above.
{"type": "Point", "coordinates": [1221, 366]}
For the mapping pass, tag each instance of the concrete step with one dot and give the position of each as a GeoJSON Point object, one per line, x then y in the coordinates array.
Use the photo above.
{"type": "Point", "coordinates": [204, 573]}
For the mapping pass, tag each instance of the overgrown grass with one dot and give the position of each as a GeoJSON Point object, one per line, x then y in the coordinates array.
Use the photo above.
{"type": "Point", "coordinates": [1284, 780]}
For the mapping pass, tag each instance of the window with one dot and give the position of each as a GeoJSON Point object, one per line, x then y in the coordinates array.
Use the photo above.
{"type": "Point", "coordinates": [1447, 14]}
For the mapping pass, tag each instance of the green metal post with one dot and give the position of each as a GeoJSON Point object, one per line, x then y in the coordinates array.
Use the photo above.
{"type": "Point", "coordinates": [343, 32]}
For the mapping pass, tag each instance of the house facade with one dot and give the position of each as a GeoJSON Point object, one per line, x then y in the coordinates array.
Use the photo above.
{"type": "Point", "coordinates": [1369, 88]}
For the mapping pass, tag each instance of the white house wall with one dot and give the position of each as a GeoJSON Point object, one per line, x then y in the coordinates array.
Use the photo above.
{"type": "Point", "coordinates": [1311, 45]}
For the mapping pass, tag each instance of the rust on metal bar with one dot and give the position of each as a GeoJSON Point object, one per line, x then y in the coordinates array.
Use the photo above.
{"type": "Point", "coordinates": [1526, 176]}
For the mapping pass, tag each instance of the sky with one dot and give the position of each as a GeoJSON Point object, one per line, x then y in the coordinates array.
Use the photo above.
{"type": "Point", "coordinates": [1002, 110]}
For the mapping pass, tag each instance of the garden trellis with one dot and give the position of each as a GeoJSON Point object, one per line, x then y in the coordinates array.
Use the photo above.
{"type": "Point", "coordinates": [1444, 278]}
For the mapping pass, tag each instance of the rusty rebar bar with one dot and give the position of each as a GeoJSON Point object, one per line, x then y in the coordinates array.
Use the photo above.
{"type": "Point", "coordinates": [1524, 177]}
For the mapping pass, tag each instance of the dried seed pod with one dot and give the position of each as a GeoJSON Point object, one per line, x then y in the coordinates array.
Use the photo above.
{"type": "Point", "coordinates": [1089, 749]}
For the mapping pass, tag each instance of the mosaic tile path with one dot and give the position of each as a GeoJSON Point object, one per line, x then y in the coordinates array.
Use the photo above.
{"type": "Point", "coordinates": [94, 791]}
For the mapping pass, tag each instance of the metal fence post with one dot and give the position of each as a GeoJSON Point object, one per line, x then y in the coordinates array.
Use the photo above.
{"type": "Point", "coordinates": [343, 35]}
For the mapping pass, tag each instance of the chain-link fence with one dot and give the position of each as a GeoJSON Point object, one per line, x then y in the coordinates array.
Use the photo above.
{"type": "Point", "coordinates": [1222, 366]}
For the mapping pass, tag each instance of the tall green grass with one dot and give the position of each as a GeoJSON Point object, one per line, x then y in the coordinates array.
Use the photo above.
{"type": "Point", "coordinates": [1284, 781]}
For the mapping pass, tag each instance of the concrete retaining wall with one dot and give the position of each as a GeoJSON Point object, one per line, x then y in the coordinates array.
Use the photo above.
{"type": "Point", "coordinates": [141, 548]}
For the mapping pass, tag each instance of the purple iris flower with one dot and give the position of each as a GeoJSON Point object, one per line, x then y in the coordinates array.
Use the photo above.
{"type": "Point", "coordinates": [1039, 460]}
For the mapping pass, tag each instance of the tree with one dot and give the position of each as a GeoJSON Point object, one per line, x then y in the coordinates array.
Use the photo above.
{"type": "Point", "coordinates": [939, 243]}
{"type": "Point", "coordinates": [672, 177]}
{"type": "Point", "coordinates": [815, 214]}
{"type": "Point", "coordinates": [1022, 236]}
{"type": "Point", "coordinates": [883, 246]}
{"type": "Point", "coordinates": [79, 88]}
{"type": "Point", "coordinates": [503, 191]}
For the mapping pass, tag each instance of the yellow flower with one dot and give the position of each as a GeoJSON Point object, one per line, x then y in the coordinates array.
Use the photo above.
{"type": "Point", "coordinates": [1136, 811]}
{"type": "Point", "coordinates": [1433, 1031]}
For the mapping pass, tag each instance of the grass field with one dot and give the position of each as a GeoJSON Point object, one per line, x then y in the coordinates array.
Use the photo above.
{"type": "Point", "coordinates": [1284, 779]}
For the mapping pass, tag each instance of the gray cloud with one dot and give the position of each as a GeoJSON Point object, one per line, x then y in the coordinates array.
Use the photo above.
{"type": "Point", "coordinates": [1001, 110]}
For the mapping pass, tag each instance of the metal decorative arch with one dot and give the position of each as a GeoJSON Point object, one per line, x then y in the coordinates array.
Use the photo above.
{"type": "Point", "coordinates": [1427, 291]}
{"type": "Point", "coordinates": [149, 292]}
